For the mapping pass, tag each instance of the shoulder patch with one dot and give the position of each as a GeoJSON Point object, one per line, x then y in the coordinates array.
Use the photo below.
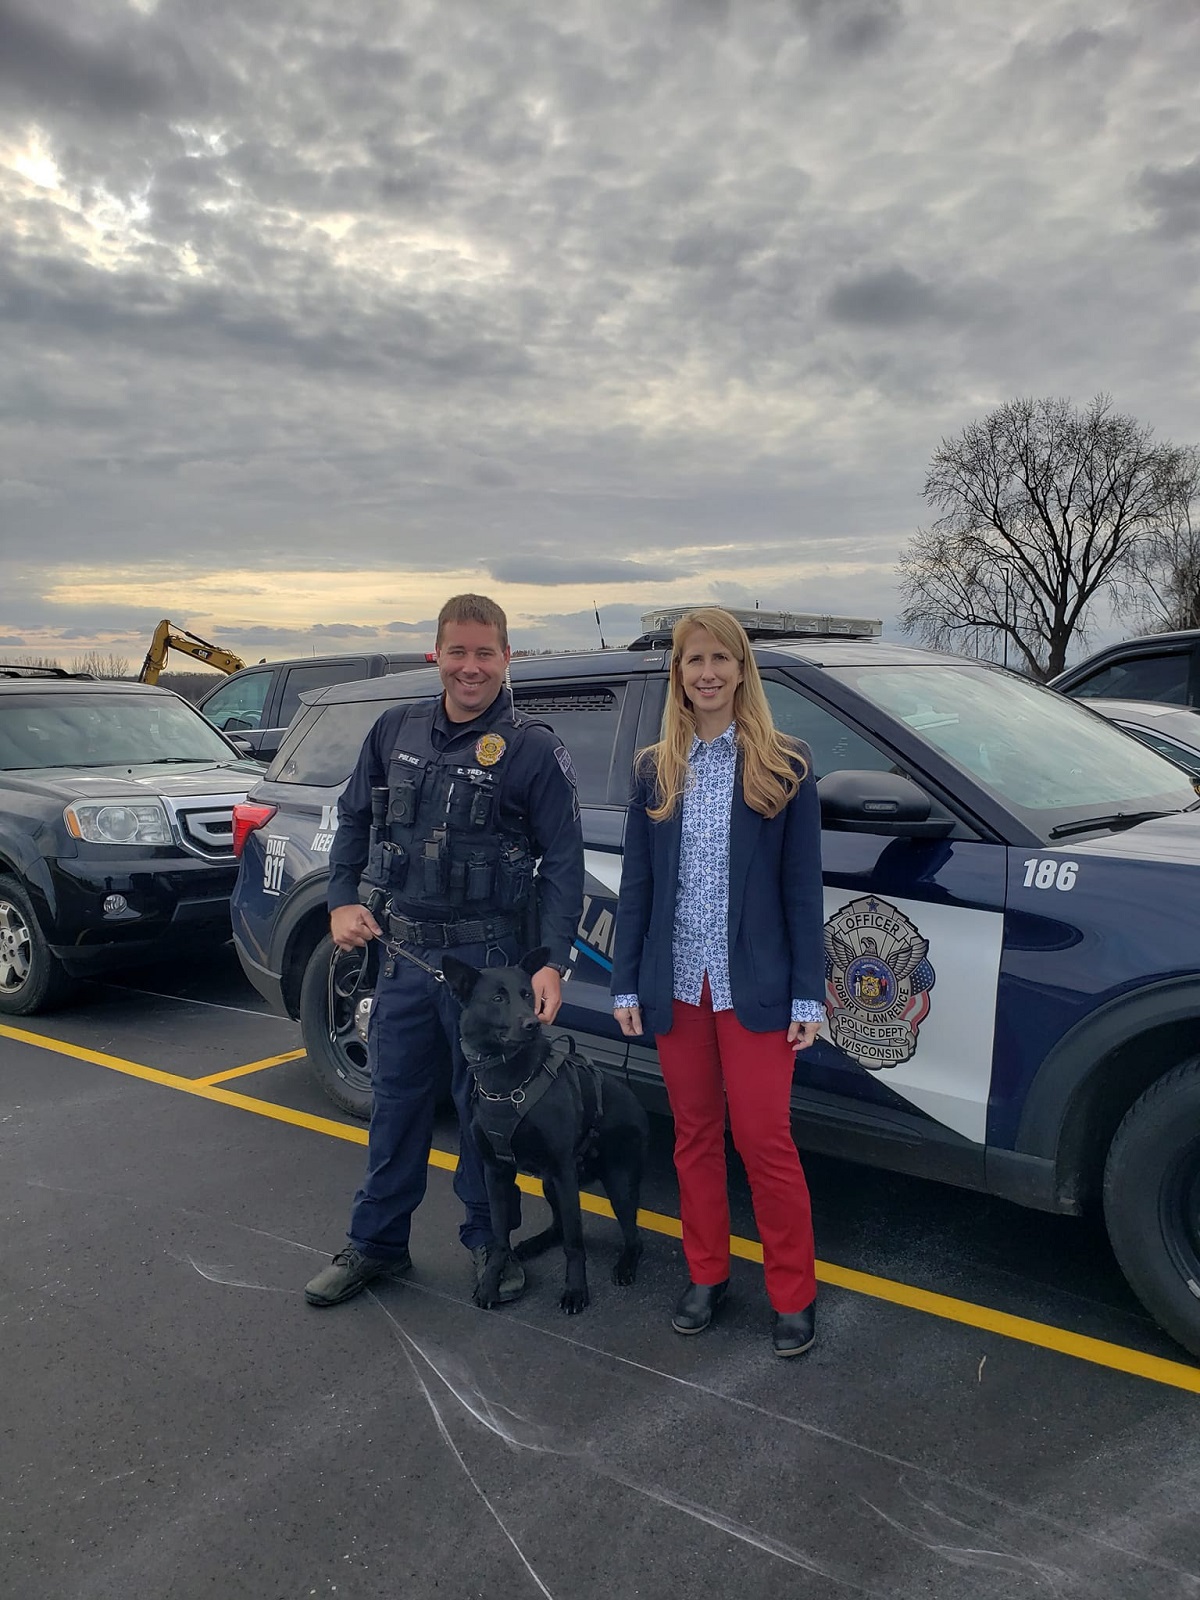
{"type": "Point", "coordinates": [564, 760]}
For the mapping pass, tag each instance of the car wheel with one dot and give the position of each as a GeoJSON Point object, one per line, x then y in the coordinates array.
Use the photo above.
{"type": "Point", "coordinates": [1152, 1201]}
{"type": "Point", "coordinates": [31, 978]}
{"type": "Point", "coordinates": [335, 1050]}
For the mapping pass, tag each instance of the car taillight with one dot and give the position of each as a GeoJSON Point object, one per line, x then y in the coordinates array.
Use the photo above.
{"type": "Point", "coordinates": [246, 817]}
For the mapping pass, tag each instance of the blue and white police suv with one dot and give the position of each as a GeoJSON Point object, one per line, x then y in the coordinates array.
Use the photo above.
{"type": "Point", "coordinates": [1012, 927]}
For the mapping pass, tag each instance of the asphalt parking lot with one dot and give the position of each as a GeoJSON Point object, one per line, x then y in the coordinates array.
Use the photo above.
{"type": "Point", "coordinates": [987, 1411]}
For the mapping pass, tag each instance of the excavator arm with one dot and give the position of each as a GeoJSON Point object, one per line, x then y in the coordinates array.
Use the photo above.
{"type": "Point", "coordinates": [168, 637]}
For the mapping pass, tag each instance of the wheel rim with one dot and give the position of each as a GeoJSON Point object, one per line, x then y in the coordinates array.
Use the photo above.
{"type": "Point", "coordinates": [349, 1051]}
{"type": "Point", "coordinates": [1179, 1214]}
{"type": "Point", "coordinates": [16, 948]}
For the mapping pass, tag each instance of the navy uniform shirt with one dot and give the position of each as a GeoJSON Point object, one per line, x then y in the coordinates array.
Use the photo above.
{"type": "Point", "coordinates": [539, 785]}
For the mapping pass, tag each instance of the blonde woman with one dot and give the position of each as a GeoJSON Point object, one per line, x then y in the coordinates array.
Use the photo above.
{"type": "Point", "coordinates": [719, 955]}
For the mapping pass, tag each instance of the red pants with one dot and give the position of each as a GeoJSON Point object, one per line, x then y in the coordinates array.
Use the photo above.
{"type": "Point", "coordinates": [710, 1061]}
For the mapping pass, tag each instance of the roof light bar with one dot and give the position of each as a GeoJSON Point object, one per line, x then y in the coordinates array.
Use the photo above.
{"type": "Point", "coordinates": [785, 624]}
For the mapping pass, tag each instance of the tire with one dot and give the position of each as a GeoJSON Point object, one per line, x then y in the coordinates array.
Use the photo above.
{"type": "Point", "coordinates": [335, 1051]}
{"type": "Point", "coordinates": [1152, 1201]}
{"type": "Point", "coordinates": [31, 977]}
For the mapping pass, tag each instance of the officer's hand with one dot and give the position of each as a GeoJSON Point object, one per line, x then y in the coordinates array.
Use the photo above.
{"type": "Point", "coordinates": [802, 1034]}
{"type": "Point", "coordinates": [547, 993]}
{"type": "Point", "coordinates": [629, 1020]}
{"type": "Point", "coordinates": [351, 927]}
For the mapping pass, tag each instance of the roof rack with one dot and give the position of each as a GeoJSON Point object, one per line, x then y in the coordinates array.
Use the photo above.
{"type": "Point", "coordinates": [658, 626]}
{"type": "Point", "coordinates": [15, 669]}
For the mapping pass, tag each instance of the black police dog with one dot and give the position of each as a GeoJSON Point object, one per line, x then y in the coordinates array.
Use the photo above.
{"type": "Point", "coordinates": [542, 1109]}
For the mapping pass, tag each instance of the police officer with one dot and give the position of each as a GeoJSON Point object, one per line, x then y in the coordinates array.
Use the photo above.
{"type": "Point", "coordinates": [467, 796]}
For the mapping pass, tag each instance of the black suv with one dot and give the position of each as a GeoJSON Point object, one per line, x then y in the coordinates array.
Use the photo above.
{"type": "Point", "coordinates": [116, 829]}
{"type": "Point", "coordinates": [1012, 921]}
{"type": "Point", "coordinates": [1160, 666]}
{"type": "Point", "coordinates": [255, 706]}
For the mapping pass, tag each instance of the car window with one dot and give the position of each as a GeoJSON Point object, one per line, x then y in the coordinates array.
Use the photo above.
{"type": "Point", "coordinates": [586, 719]}
{"type": "Point", "coordinates": [299, 679]}
{"type": "Point", "coordinates": [322, 749]}
{"type": "Point", "coordinates": [835, 746]}
{"type": "Point", "coordinates": [1160, 677]}
{"type": "Point", "coordinates": [96, 730]}
{"type": "Point", "coordinates": [1048, 760]}
{"type": "Point", "coordinates": [239, 702]}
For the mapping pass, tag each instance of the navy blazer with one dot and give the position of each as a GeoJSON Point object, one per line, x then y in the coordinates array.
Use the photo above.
{"type": "Point", "coordinates": [776, 906]}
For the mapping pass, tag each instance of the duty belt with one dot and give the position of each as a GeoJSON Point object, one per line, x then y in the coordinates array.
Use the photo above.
{"type": "Point", "coordinates": [442, 935]}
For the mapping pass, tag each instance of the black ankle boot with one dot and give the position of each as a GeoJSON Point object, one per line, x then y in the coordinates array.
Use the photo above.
{"type": "Point", "coordinates": [793, 1332]}
{"type": "Point", "coordinates": [696, 1306]}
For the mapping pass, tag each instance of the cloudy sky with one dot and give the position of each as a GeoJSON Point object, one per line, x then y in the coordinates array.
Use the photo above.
{"type": "Point", "coordinates": [313, 312]}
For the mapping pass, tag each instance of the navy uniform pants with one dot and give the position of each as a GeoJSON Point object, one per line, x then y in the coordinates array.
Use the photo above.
{"type": "Point", "coordinates": [413, 1032]}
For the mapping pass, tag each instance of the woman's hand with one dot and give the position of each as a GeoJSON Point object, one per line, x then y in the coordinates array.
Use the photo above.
{"type": "Point", "coordinates": [629, 1020]}
{"type": "Point", "coordinates": [800, 1034]}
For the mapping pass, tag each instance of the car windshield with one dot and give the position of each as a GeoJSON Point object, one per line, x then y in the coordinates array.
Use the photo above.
{"type": "Point", "coordinates": [103, 730]}
{"type": "Point", "coordinates": [1047, 759]}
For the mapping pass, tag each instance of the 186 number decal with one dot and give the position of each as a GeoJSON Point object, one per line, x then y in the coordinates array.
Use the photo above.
{"type": "Point", "coordinates": [1049, 873]}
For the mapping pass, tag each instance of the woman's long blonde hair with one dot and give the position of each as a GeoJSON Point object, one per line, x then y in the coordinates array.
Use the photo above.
{"type": "Point", "coordinates": [772, 768]}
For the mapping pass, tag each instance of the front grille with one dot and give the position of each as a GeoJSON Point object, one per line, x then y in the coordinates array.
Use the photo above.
{"type": "Point", "coordinates": [208, 831]}
{"type": "Point", "coordinates": [203, 824]}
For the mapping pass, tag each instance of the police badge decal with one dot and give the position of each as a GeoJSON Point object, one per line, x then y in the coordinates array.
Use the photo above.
{"type": "Point", "coordinates": [877, 980]}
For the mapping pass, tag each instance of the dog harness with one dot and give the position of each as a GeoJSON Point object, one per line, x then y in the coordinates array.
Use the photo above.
{"type": "Point", "coordinates": [499, 1115]}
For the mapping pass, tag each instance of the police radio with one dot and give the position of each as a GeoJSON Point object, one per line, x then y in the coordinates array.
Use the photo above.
{"type": "Point", "coordinates": [386, 861]}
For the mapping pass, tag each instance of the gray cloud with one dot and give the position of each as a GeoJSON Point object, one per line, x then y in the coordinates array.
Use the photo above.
{"type": "Point", "coordinates": [1173, 194]}
{"type": "Point", "coordinates": [852, 28]}
{"type": "Point", "coordinates": [888, 297]}
{"type": "Point", "coordinates": [552, 570]}
{"type": "Point", "coordinates": [126, 67]}
{"type": "Point", "coordinates": [554, 295]}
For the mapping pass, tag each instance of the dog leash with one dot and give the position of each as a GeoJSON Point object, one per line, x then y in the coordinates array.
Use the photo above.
{"type": "Point", "coordinates": [392, 950]}
{"type": "Point", "coordinates": [338, 987]}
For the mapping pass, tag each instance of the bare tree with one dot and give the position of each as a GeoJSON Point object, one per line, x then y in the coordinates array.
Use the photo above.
{"type": "Point", "coordinates": [1164, 586]}
{"type": "Point", "coordinates": [1043, 508]}
{"type": "Point", "coordinates": [101, 666]}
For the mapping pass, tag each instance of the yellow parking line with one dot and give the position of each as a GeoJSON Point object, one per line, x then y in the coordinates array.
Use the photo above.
{"type": "Point", "coordinates": [251, 1066]}
{"type": "Point", "coordinates": [1099, 1352]}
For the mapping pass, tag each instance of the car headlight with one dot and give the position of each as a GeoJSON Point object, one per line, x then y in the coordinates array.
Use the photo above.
{"type": "Point", "coordinates": [119, 822]}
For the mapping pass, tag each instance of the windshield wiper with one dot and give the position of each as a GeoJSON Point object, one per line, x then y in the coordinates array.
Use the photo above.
{"type": "Point", "coordinates": [1117, 820]}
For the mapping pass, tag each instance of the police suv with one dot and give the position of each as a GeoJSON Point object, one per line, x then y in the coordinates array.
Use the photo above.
{"type": "Point", "coordinates": [1012, 934]}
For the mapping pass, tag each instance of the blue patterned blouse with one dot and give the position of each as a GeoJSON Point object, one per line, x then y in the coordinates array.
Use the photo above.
{"type": "Point", "coordinates": [701, 941]}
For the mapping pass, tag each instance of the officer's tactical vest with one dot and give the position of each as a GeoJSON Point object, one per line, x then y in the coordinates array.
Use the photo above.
{"type": "Point", "coordinates": [448, 854]}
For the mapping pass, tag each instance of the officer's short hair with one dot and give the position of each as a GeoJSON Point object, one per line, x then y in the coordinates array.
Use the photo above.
{"type": "Point", "coordinates": [473, 608]}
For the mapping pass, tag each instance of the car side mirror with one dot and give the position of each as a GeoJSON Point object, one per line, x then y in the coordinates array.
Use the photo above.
{"type": "Point", "coordinates": [878, 802]}
{"type": "Point", "coordinates": [244, 747]}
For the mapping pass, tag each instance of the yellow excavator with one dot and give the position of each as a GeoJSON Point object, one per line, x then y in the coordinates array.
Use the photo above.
{"type": "Point", "coordinates": [168, 637]}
